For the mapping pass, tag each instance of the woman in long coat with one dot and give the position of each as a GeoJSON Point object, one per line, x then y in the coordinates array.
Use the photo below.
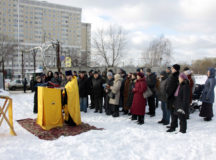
{"type": "Point", "coordinates": [139, 102]}
{"type": "Point", "coordinates": [115, 89]}
{"type": "Point", "coordinates": [208, 96]}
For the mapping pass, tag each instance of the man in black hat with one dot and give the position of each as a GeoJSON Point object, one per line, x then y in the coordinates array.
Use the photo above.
{"type": "Point", "coordinates": [97, 91]}
{"type": "Point", "coordinates": [172, 84]}
{"type": "Point", "coordinates": [151, 80]}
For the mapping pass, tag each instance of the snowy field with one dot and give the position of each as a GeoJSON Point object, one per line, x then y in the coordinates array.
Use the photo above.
{"type": "Point", "coordinates": [122, 139]}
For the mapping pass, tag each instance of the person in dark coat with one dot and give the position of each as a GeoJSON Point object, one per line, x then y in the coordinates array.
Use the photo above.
{"type": "Point", "coordinates": [91, 75]}
{"type": "Point", "coordinates": [151, 80]}
{"type": "Point", "coordinates": [97, 91]}
{"type": "Point", "coordinates": [172, 84]}
{"type": "Point", "coordinates": [126, 93]}
{"type": "Point", "coordinates": [83, 92]}
{"type": "Point", "coordinates": [208, 96]}
{"type": "Point", "coordinates": [181, 104]}
{"type": "Point", "coordinates": [130, 92]}
{"type": "Point", "coordinates": [49, 76]}
{"type": "Point", "coordinates": [162, 97]}
{"type": "Point", "coordinates": [25, 85]}
{"type": "Point", "coordinates": [109, 82]}
{"type": "Point", "coordinates": [139, 102]}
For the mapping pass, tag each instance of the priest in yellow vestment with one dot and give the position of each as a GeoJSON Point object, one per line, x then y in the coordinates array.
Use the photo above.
{"type": "Point", "coordinates": [72, 104]}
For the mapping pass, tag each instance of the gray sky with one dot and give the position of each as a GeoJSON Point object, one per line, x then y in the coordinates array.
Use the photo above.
{"type": "Point", "coordinates": [189, 24]}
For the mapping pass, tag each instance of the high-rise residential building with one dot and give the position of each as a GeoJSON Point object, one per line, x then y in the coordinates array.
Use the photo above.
{"type": "Point", "coordinates": [32, 23]}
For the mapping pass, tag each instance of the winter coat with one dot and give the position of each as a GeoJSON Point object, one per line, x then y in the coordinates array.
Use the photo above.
{"type": "Point", "coordinates": [97, 87]}
{"type": "Point", "coordinates": [115, 89]}
{"type": "Point", "coordinates": [208, 92]}
{"type": "Point", "coordinates": [151, 81]}
{"type": "Point", "coordinates": [83, 87]}
{"type": "Point", "coordinates": [172, 84]}
{"type": "Point", "coordinates": [139, 102]}
{"type": "Point", "coordinates": [182, 101]}
{"type": "Point", "coordinates": [130, 94]}
{"type": "Point", "coordinates": [162, 90]}
{"type": "Point", "coordinates": [126, 92]}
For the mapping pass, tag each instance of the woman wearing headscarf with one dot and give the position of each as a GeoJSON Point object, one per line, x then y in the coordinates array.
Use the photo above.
{"type": "Point", "coordinates": [207, 97]}
{"type": "Point", "coordinates": [181, 104]}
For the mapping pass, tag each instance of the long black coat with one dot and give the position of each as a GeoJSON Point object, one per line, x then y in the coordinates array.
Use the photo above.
{"type": "Point", "coordinates": [172, 84]}
{"type": "Point", "coordinates": [97, 87]}
{"type": "Point", "coordinates": [83, 87]}
{"type": "Point", "coordinates": [182, 101]}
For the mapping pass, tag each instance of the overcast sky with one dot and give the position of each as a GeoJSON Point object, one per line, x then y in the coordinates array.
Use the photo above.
{"type": "Point", "coordinates": [189, 24]}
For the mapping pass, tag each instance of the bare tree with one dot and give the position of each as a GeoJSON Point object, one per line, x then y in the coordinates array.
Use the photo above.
{"type": "Point", "coordinates": [158, 53]}
{"type": "Point", "coordinates": [109, 44]}
{"type": "Point", "coordinates": [7, 48]}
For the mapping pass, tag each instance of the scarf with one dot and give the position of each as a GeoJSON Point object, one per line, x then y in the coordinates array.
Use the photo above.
{"type": "Point", "coordinates": [177, 91]}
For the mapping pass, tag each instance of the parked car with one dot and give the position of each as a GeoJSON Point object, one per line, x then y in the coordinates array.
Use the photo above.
{"type": "Point", "coordinates": [17, 84]}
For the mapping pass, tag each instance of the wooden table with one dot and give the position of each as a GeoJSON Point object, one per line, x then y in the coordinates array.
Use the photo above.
{"type": "Point", "coordinates": [7, 106]}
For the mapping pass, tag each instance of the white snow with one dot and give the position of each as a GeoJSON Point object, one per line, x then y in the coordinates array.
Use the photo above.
{"type": "Point", "coordinates": [122, 139]}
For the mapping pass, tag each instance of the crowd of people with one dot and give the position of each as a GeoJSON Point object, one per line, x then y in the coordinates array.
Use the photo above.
{"type": "Point", "coordinates": [130, 93]}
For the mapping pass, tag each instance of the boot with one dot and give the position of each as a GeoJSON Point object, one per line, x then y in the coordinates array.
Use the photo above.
{"type": "Point", "coordinates": [207, 119]}
{"type": "Point", "coordinates": [160, 122]}
{"type": "Point", "coordinates": [96, 111]}
{"type": "Point", "coordinates": [171, 130]}
{"type": "Point", "coordinates": [140, 120]}
{"type": "Point", "coordinates": [133, 117]}
{"type": "Point", "coordinates": [116, 113]}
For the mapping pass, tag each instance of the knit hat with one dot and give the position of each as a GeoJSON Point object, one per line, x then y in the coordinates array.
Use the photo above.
{"type": "Point", "coordinates": [109, 74]}
{"type": "Point", "coordinates": [148, 70]}
{"type": "Point", "coordinates": [140, 74]}
{"type": "Point", "coordinates": [183, 76]}
{"type": "Point", "coordinates": [176, 67]}
{"type": "Point", "coordinates": [68, 73]}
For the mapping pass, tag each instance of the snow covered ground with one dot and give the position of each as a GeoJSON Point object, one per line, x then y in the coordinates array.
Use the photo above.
{"type": "Point", "coordinates": [122, 139]}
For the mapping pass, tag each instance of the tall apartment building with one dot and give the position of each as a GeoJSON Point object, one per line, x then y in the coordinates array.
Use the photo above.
{"type": "Point", "coordinates": [32, 22]}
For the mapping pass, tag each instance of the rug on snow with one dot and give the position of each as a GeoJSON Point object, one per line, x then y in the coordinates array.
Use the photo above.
{"type": "Point", "coordinates": [53, 134]}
